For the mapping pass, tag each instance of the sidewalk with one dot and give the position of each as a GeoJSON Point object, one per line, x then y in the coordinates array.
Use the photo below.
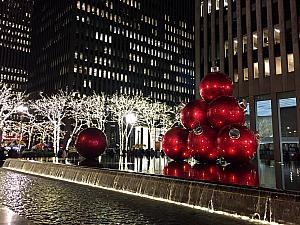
{"type": "Point", "coordinates": [8, 217]}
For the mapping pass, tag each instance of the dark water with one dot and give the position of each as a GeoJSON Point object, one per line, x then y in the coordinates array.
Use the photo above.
{"type": "Point", "coordinates": [46, 201]}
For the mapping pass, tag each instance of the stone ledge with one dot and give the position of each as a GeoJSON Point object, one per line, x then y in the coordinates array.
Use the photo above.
{"type": "Point", "coordinates": [256, 203]}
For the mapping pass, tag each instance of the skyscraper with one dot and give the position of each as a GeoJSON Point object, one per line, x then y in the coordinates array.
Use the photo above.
{"type": "Point", "coordinates": [15, 42]}
{"type": "Point", "coordinates": [124, 46]}
{"type": "Point", "coordinates": [256, 42]}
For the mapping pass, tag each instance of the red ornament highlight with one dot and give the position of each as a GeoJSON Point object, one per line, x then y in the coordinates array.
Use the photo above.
{"type": "Point", "coordinates": [174, 144]}
{"type": "Point", "coordinates": [207, 172]}
{"type": "Point", "coordinates": [91, 143]}
{"type": "Point", "coordinates": [194, 114]}
{"type": "Point", "coordinates": [245, 175]}
{"type": "Point", "coordinates": [202, 144]}
{"type": "Point", "coordinates": [214, 85]}
{"type": "Point", "coordinates": [237, 144]}
{"type": "Point", "coordinates": [177, 169]}
{"type": "Point", "coordinates": [224, 111]}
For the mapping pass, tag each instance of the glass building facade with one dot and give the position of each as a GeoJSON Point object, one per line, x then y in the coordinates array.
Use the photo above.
{"type": "Point", "coordinates": [115, 46]}
{"type": "Point", "coordinates": [256, 42]}
{"type": "Point", "coordinates": [15, 42]}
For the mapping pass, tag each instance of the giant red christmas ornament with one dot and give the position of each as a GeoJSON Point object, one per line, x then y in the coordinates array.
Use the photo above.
{"type": "Point", "coordinates": [177, 169]}
{"type": "Point", "coordinates": [91, 143]}
{"type": "Point", "coordinates": [225, 110]}
{"type": "Point", "coordinates": [214, 85]}
{"type": "Point", "coordinates": [174, 143]}
{"type": "Point", "coordinates": [202, 145]}
{"type": "Point", "coordinates": [245, 174]}
{"type": "Point", "coordinates": [237, 144]}
{"type": "Point", "coordinates": [194, 114]}
{"type": "Point", "coordinates": [207, 172]}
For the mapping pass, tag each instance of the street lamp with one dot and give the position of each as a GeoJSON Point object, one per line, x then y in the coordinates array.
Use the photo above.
{"type": "Point", "coordinates": [130, 119]}
{"type": "Point", "coordinates": [21, 109]}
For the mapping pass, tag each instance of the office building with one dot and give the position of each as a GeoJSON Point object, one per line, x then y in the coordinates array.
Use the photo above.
{"type": "Point", "coordinates": [256, 42]}
{"type": "Point", "coordinates": [115, 46]}
{"type": "Point", "coordinates": [15, 42]}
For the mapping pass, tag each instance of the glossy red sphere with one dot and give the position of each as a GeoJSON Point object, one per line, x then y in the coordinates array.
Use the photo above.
{"type": "Point", "coordinates": [237, 144]}
{"type": "Point", "coordinates": [224, 111]}
{"type": "Point", "coordinates": [207, 172]}
{"type": "Point", "coordinates": [203, 145]}
{"type": "Point", "coordinates": [245, 175]}
{"type": "Point", "coordinates": [91, 143]}
{"type": "Point", "coordinates": [214, 85]}
{"type": "Point", "coordinates": [177, 169]}
{"type": "Point", "coordinates": [174, 143]}
{"type": "Point", "coordinates": [194, 114]}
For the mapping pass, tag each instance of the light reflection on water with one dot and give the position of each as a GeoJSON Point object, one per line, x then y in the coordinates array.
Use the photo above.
{"type": "Point", "coordinates": [252, 174]}
{"type": "Point", "coordinates": [46, 201]}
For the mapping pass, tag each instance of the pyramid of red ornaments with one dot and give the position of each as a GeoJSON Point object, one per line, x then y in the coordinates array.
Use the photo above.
{"type": "Point", "coordinates": [214, 126]}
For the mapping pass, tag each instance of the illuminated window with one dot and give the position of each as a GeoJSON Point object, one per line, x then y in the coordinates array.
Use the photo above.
{"type": "Point", "coordinates": [290, 59]}
{"type": "Point", "coordinates": [276, 35]}
{"type": "Point", "coordinates": [256, 71]}
{"type": "Point", "coordinates": [267, 67]}
{"type": "Point", "coordinates": [255, 44]}
{"type": "Point", "coordinates": [236, 76]}
{"type": "Point", "coordinates": [246, 76]}
{"type": "Point", "coordinates": [278, 65]}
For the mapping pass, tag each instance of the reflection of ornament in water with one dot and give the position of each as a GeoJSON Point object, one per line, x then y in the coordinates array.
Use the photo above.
{"type": "Point", "coordinates": [237, 144]}
{"type": "Point", "coordinates": [207, 172]}
{"type": "Point", "coordinates": [214, 85]}
{"type": "Point", "coordinates": [224, 111]}
{"type": "Point", "coordinates": [177, 169]}
{"type": "Point", "coordinates": [91, 143]}
{"type": "Point", "coordinates": [202, 145]}
{"type": "Point", "coordinates": [174, 144]}
{"type": "Point", "coordinates": [244, 174]}
{"type": "Point", "coordinates": [194, 114]}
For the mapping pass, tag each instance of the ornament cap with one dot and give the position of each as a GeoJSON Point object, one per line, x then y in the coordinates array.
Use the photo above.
{"type": "Point", "coordinates": [198, 130]}
{"type": "Point", "coordinates": [234, 133]}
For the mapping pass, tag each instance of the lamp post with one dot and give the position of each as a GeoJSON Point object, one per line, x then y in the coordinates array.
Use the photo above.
{"type": "Point", "coordinates": [21, 109]}
{"type": "Point", "coordinates": [130, 119]}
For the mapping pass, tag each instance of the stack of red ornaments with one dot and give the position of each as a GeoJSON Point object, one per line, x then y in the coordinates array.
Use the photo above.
{"type": "Point", "coordinates": [213, 126]}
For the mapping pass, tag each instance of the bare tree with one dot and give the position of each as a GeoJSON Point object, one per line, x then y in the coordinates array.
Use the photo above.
{"type": "Point", "coordinates": [96, 111]}
{"type": "Point", "coordinates": [121, 106]}
{"type": "Point", "coordinates": [9, 102]}
{"type": "Point", "coordinates": [55, 109]}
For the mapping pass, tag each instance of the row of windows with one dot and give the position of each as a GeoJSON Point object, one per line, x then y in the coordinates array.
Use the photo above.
{"type": "Point", "coordinates": [14, 86]}
{"type": "Point", "coordinates": [278, 68]}
{"type": "Point", "coordinates": [178, 41]}
{"type": "Point", "coordinates": [102, 73]}
{"type": "Point", "coordinates": [15, 47]}
{"type": "Point", "coordinates": [13, 39]}
{"type": "Point", "coordinates": [265, 32]}
{"type": "Point", "coordinates": [13, 70]}
{"type": "Point", "coordinates": [10, 24]}
{"type": "Point", "coordinates": [149, 20]}
{"type": "Point", "coordinates": [178, 31]}
{"type": "Point", "coordinates": [9, 77]}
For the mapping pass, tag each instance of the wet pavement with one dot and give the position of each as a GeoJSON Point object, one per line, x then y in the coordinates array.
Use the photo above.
{"type": "Point", "coordinates": [46, 201]}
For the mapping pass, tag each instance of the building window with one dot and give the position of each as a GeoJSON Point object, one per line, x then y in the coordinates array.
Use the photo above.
{"type": "Point", "coordinates": [278, 65]}
{"type": "Point", "coordinates": [256, 71]}
{"type": "Point", "coordinates": [246, 76]}
{"type": "Point", "coordinates": [290, 59]}
{"type": "Point", "coordinates": [267, 67]}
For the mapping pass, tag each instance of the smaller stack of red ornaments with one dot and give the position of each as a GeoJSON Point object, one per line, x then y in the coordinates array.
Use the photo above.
{"type": "Point", "coordinates": [213, 126]}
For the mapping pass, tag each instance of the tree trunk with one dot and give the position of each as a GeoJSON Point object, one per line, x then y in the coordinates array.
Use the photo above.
{"type": "Point", "coordinates": [69, 142]}
{"type": "Point", "coordinates": [54, 141]}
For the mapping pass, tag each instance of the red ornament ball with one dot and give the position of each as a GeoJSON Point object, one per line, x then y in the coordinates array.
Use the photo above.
{"type": "Point", "coordinates": [214, 85]}
{"type": "Point", "coordinates": [194, 114]}
{"type": "Point", "coordinates": [237, 144]}
{"type": "Point", "coordinates": [224, 111]}
{"type": "Point", "coordinates": [91, 143]}
{"type": "Point", "coordinates": [245, 175]}
{"type": "Point", "coordinates": [202, 144]}
{"type": "Point", "coordinates": [174, 144]}
{"type": "Point", "coordinates": [177, 169]}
